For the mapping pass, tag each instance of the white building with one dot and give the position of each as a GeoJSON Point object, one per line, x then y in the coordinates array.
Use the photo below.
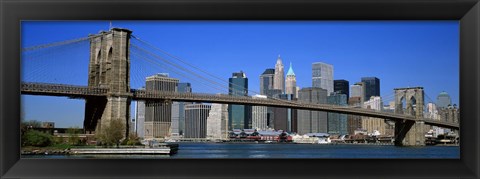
{"type": "Point", "coordinates": [259, 115]}
{"type": "Point", "coordinates": [217, 122]}
{"type": "Point", "coordinates": [140, 118]}
{"type": "Point", "coordinates": [432, 112]}
{"type": "Point", "coordinates": [322, 76]}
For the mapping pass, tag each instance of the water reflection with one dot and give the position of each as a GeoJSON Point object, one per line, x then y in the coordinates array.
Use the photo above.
{"type": "Point", "coordinates": [219, 151]}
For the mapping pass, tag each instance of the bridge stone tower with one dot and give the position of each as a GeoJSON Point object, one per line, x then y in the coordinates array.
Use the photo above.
{"type": "Point", "coordinates": [409, 133]}
{"type": "Point", "coordinates": [109, 68]}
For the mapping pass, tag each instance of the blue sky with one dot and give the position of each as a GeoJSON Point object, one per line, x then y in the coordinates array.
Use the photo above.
{"type": "Point", "coordinates": [399, 53]}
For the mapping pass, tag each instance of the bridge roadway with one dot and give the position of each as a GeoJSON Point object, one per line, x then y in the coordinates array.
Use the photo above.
{"type": "Point", "coordinates": [72, 91]}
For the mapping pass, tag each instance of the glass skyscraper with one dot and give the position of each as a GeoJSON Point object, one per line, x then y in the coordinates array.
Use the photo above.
{"type": "Point", "coordinates": [266, 81]}
{"type": "Point", "coordinates": [337, 123]}
{"type": "Point", "coordinates": [312, 121]}
{"type": "Point", "coordinates": [372, 87]}
{"type": "Point", "coordinates": [342, 87]}
{"type": "Point", "coordinates": [178, 110]}
{"type": "Point", "coordinates": [239, 115]}
{"type": "Point", "coordinates": [443, 100]}
{"type": "Point", "coordinates": [322, 76]}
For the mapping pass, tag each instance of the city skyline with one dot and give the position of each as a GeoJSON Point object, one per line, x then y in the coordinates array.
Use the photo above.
{"type": "Point", "coordinates": [263, 60]}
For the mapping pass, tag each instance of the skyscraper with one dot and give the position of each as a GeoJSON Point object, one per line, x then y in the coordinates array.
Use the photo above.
{"type": "Point", "coordinates": [140, 118]}
{"type": "Point", "coordinates": [312, 121]}
{"type": "Point", "coordinates": [196, 120]}
{"type": "Point", "coordinates": [259, 115]}
{"type": "Point", "coordinates": [358, 90]}
{"type": "Point", "coordinates": [266, 81]}
{"type": "Point", "coordinates": [239, 115]}
{"type": "Point", "coordinates": [341, 87]}
{"type": "Point", "coordinates": [443, 100]}
{"type": "Point", "coordinates": [371, 124]}
{"type": "Point", "coordinates": [158, 115]}
{"type": "Point", "coordinates": [178, 110]}
{"type": "Point", "coordinates": [279, 78]}
{"type": "Point", "coordinates": [217, 121]}
{"type": "Point", "coordinates": [273, 93]}
{"type": "Point", "coordinates": [291, 82]}
{"type": "Point", "coordinates": [372, 87]}
{"type": "Point", "coordinates": [337, 123]}
{"type": "Point", "coordinates": [322, 76]}
{"type": "Point", "coordinates": [354, 121]}
{"type": "Point", "coordinates": [283, 117]}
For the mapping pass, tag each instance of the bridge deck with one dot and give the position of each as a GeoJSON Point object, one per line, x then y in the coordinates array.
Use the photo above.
{"type": "Point", "coordinates": [84, 91]}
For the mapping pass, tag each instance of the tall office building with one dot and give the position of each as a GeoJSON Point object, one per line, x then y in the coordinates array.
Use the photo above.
{"type": "Point", "coordinates": [178, 110]}
{"type": "Point", "coordinates": [284, 117]}
{"type": "Point", "coordinates": [266, 81]}
{"type": "Point", "coordinates": [158, 115]}
{"type": "Point", "coordinates": [371, 124]}
{"type": "Point", "coordinates": [322, 76]}
{"type": "Point", "coordinates": [358, 90]}
{"type": "Point", "coordinates": [296, 91]}
{"type": "Point", "coordinates": [259, 115]}
{"type": "Point", "coordinates": [354, 121]}
{"type": "Point", "coordinates": [174, 127]}
{"type": "Point", "coordinates": [140, 118]}
{"type": "Point", "coordinates": [196, 120]}
{"type": "Point", "coordinates": [279, 78]}
{"type": "Point", "coordinates": [443, 100]}
{"type": "Point", "coordinates": [291, 82]}
{"type": "Point", "coordinates": [312, 121]}
{"type": "Point", "coordinates": [342, 87]}
{"type": "Point", "coordinates": [273, 93]}
{"type": "Point", "coordinates": [337, 123]}
{"type": "Point", "coordinates": [239, 115]}
{"type": "Point", "coordinates": [432, 111]}
{"type": "Point", "coordinates": [217, 122]}
{"type": "Point", "coordinates": [372, 87]}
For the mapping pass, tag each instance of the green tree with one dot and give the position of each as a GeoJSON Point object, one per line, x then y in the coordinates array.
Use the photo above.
{"type": "Point", "coordinates": [37, 139]}
{"type": "Point", "coordinates": [112, 134]}
{"type": "Point", "coordinates": [25, 126]}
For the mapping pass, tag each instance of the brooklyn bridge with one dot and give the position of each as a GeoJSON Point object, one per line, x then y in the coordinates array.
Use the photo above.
{"type": "Point", "coordinates": [108, 94]}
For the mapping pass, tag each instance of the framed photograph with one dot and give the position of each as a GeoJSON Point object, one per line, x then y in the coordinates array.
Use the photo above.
{"type": "Point", "coordinates": [240, 89]}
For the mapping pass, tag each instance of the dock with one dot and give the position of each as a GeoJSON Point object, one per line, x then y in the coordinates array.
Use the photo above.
{"type": "Point", "coordinates": [167, 149]}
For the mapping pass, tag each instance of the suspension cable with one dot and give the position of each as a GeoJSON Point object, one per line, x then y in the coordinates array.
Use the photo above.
{"type": "Point", "coordinates": [31, 48]}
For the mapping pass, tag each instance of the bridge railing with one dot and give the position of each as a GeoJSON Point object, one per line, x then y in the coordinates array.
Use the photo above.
{"type": "Point", "coordinates": [170, 95]}
{"type": "Point", "coordinates": [61, 88]}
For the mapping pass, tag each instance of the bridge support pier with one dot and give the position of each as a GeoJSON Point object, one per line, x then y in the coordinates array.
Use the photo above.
{"type": "Point", "coordinates": [409, 133]}
{"type": "Point", "coordinates": [117, 108]}
{"type": "Point", "coordinates": [94, 108]}
{"type": "Point", "coordinates": [109, 68]}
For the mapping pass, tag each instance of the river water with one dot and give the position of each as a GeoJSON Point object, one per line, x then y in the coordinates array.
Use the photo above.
{"type": "Point", "coordinates": [229, 150]}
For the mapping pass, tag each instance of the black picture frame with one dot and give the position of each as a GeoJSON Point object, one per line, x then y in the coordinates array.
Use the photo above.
{"type": "Point", "coordinates": [466, 11]}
